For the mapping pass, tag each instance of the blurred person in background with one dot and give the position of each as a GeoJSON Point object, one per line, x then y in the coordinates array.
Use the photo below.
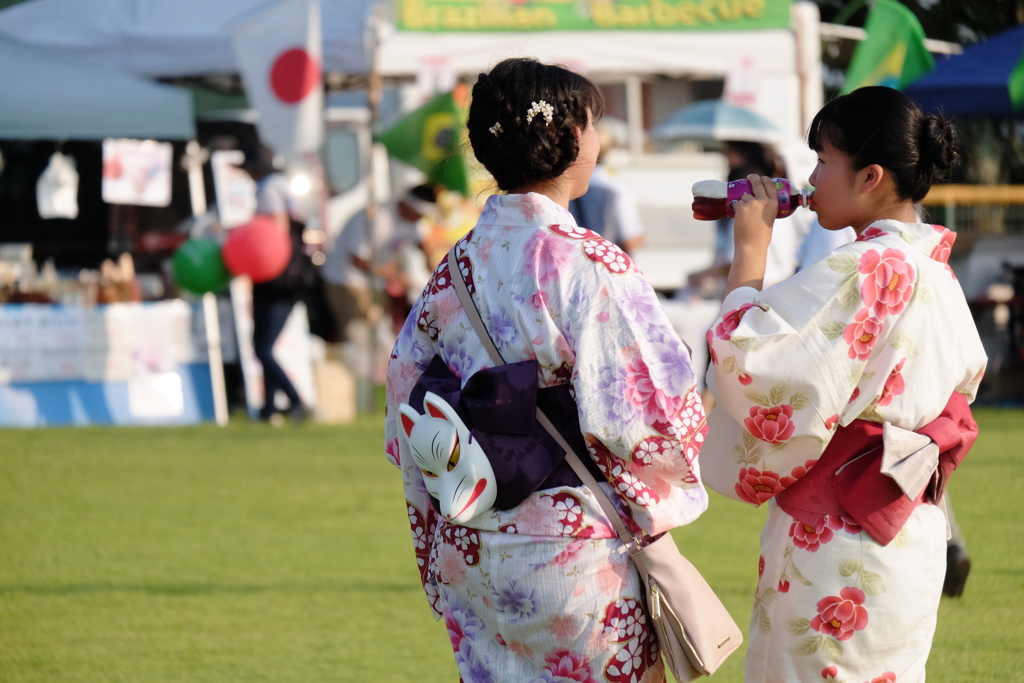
{"type": "Point", "coordinates": [608, 207]}
{"type": "Point", "coordinates": [403, 263]}
{"type": "Point", "coordinates": [273, 301]}
{"type": "Point", "coordinates": [398, 260]}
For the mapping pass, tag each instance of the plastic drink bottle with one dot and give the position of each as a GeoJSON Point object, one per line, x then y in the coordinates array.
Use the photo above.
{"type": "Point", "coordinates": [714, 199]}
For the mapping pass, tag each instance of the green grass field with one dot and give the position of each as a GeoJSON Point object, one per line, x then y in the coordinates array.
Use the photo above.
{"type": "Point", "coordinates": [259, 554]}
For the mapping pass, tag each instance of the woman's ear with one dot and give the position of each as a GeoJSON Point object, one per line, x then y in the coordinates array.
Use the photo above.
{"type": "Point", "coordinates": [578, 132]}
{"type": "Point", "coordinates": [870, 177]}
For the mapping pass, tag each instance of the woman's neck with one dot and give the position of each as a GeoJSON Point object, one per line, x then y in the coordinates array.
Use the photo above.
{"type": "Point", "coordinates": [556, 190]}
{"type": "Point", "coordinates": [903, 212]}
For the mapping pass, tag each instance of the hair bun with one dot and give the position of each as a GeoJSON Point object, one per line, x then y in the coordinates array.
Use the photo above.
{"type": "Point", "coordinates": [517, 146]}
{"type": "Point", "coordinates": [938, 144]}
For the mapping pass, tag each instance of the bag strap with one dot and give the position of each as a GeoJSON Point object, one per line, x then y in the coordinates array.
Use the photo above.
{"type": "Point", "coordinates": [577, 465]}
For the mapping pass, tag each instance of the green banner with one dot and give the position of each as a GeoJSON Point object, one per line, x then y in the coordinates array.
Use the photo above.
{"type": "Point", "coordinates": [592, 15]}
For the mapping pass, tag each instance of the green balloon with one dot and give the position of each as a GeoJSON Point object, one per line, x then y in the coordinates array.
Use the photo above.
{"type": "Point", "coordinates": [199, 268]}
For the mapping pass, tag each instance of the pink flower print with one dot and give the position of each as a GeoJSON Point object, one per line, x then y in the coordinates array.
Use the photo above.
{"type": "Point", "coordinates": [539, 301]}
{"type": "Point", "coordinates": [714, 356]}
{"type": "Point", "coordinates": [573, 232]}
{"type": "Point", "coordinates": [624, 620]}
{"type": "Point", "coordinates": [844, 523]}
{"type": "Point", "coordinates": [447, 307]}
{"type": "Point", "coordinates": [657, 405]}
{"type": "Point", "coordinates": [427, 323]}
{"type": "Point", "coordinates": [854, 395]}
{"type": "Point", "coordinates": [829, 673]}
{"type": "Point", "coordinates": [839, 616]}
{"type": "Point", "coordinates": [889, 281]}
{"type": "Point", "coordinates": [530, 205]}
{"type": "Point", "coordinates": [941, 250]}
{"type": "Point", "coordinates": [441, 279]}
{"type": "Point", "coordinates": [563, 558]}
{"type": "Point", "coordinates": [887, 677]}
{"type": "Point", "coordinates": [569, 511]}
{"type": "Point", "coordinates": [466, 269]}
{"type": "Point", "coordinates": [797, 473]}
{"type": "Point", "coordinates": [745, 379]}
{"type": "Point", "coordinates": [532, 515]}
{"type": "Point", "coordinates": [862, 334]}
{"type": "Point", "coordinates": [730, 321]}
{"type": "Point", "coordinates": [391, 449]}
{"type": "Point", "coordinates": [645, 451]}
{"type": "Point", "coordinates": [832, 421]}
{"type": "Point", "coordinates": [809, 537]}
{"type": "Point", "coordinates": [756, 487]}
{"type": "Point", "coordinates": [773, 425]}
{"type": "Point", "coordinates": [451, 567]}
{"type": "Point", "coordinates": [484, 251]}
{"type": "Point", "coordinates": [869, 234]}
{"type": "Point", "coordinates": [602, 251]}
{"type": "Point", "coordinates": [630, 663]}
{"type": "Point", "coordinates": [562, 627]}
{"type": "Point", "coordinates": [500, 640]}
{"type": "Point", "coordinates": [783, 586]}
{"type": "Point", "coordinates": [465, 541]}
{"type": "Point", "coordinates": [894, 385]}
{"type": "Point", "coordinates": [547, 257]}
{"type": "Point", "coordinates": [567, 665]}
{"type": "Point", "coordinates": [760, 567]}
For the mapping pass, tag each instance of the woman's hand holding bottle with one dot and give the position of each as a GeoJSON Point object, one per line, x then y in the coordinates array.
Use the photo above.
{"type": "Point", "coordinates": [752, 232]}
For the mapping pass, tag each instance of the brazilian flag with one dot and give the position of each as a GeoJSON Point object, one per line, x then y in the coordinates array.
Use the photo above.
{"type": "Point", "coordinates": [893, 54]}
{"type": "Point", "coordinates": [429, 138]}
{"type": "Point", "coordinates": [1016, 84]}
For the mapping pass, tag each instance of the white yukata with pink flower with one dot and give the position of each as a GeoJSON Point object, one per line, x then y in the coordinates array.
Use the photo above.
{"type": "Point", "coordinates": [878, 330]}
{"type": "Point", "coordinates": [545, 592]}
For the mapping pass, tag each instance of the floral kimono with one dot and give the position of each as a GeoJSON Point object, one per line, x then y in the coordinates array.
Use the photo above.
{"type": "Point", "coordinates": [878, 330]}
{"type": "Point", "coordinates": [545, 591]}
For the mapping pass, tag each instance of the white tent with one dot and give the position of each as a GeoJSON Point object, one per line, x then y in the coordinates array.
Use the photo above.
{"type": "Point", "coordinates": [52, 96]}
{"type": "Point", "coordinates": [610, 55]}
{"type": "Point", "coordinates": [177, 38]}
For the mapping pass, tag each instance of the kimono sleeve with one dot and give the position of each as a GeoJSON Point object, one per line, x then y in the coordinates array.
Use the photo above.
{"type": "Point", "coordinates": [635, 388]}
{"type": "Point", "coordinates": [410, 357]}
{"type": "Point", "coordinates": [785, 363]}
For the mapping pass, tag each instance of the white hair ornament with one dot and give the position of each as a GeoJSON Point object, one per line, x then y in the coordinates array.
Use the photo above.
{"type": "Point", "coordinates": [496, 128]}
{"type": "Point", "coordinates": [541, 107]}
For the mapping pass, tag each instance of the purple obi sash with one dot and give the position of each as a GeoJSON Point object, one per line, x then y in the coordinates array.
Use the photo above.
{"type": "Point", "coordinates": [500, 405]}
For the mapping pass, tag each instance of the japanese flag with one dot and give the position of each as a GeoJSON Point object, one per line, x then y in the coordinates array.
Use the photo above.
{"type": "Point", "coordinates": [280, 54]}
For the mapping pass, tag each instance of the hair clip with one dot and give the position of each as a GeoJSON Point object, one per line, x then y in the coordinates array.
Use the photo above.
{"type": "Point", "coordinates": [541, 107]}
{"type": "Point", "coordinates": [496, 128]}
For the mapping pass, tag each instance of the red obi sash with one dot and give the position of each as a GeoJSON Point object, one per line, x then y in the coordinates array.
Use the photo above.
{"type": "Point", "coordinates": [848, 481]}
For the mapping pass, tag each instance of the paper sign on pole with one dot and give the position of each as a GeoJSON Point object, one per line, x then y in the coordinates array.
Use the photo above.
{"type": "Point", "coordinates": [280, 57]}
{"type": "Point", "coordinates": [137, 172]}
{"type": "Point", "coordinates": [234, 188]}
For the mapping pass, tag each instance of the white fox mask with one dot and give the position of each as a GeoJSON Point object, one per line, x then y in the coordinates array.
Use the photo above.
{"type": "Point", "coordinates": [455, 469]}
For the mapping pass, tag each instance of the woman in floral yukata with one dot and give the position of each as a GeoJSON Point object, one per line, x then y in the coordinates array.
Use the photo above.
{"type": "Point", "coordinates": [807, 372]}
{"type": "Point", "coordinates": [545, 591]}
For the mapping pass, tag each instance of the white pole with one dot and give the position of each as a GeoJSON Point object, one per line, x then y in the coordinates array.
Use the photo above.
{"type": "Point", "coordinates": [194, 158]}
{"type": "Point", "coordinates": [635, 115]}
{"type": "Point", "coordinates": [807, 26]}
{"type": "Point", "coordinates": [220, 394]}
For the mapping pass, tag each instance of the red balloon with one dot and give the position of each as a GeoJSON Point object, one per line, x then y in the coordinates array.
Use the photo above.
{"type": "Point", "coordinates": [259, 249]}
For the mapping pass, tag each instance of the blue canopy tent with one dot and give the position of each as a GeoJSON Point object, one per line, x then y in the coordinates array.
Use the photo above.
{"type": "Point", "coordinates": [975, 83]}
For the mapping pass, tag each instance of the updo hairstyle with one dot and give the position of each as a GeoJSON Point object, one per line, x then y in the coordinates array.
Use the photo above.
{"type": "Point", "coordinates": [518, 153]}
{"type": "Point", "coordinates": [879, 125]}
